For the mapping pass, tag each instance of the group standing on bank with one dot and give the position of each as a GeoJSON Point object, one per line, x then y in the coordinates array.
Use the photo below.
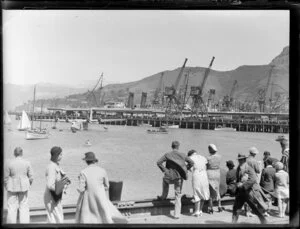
{"type": "Point", "coordinates": [253, 188]}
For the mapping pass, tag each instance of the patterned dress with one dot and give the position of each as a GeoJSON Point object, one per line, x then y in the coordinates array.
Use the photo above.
{"type": "Point", "coordinates": [199, 178]}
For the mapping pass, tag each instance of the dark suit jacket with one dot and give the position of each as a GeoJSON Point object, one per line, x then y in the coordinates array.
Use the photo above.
{"type": "Point", "coordinates": [268, 178]}
{"type": "Point", "coordinates": [175, 165]}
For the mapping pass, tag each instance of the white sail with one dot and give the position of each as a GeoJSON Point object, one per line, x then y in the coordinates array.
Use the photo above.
{"type": "Point", "coordinates": [24, 122]}
{"type": "Point", "coordinates": [7, 119]}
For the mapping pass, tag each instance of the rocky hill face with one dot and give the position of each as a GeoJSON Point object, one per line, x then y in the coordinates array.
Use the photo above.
{"type": "Point", "coordinates": [250, 79]}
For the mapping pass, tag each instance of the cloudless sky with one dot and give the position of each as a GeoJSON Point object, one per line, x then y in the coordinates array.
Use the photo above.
{"type": "Point", "coordinates": [71, 47]}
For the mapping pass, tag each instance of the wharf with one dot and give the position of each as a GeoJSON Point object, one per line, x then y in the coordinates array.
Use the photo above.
{"type": "Point", "coordinates": [160, 212]}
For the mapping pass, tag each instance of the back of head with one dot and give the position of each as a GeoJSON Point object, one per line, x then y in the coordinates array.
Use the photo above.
{"type": "Point", "coordinates": [253, 151]}
{"type": "Point", "coordinates": [267, 154]}
{"type": "Point", "coordinates": [191, 152]}
{"type": "Point", "coordinates": [18, 151]}
{"type": "Point", "coordinates": [175, 145]}
{"type": "Point", "coordinates": [55, 152]}
{"type": "Point", "coordinates": [269, 161]}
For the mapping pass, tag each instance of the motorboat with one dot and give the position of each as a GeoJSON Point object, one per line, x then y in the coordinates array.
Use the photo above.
{"type": "Point", "coordinates": [160, 130]}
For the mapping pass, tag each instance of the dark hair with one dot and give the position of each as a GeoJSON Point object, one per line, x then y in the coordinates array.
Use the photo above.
{"type": "Point", "coordinates": [18, 151]}
{"type": "Point", "coordinates": [175, 145]}
{"type": "Point", "coordinates": [269, 161]}
{"type": "Point", "coordinates": [192, 151]}
{"type": "Point", "coordinates": [267, 153]}
{"type": "Point", "coordinates": [55, 152]}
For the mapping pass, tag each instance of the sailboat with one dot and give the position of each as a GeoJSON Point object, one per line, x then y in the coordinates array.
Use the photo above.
{"type": "Point", "coordinates": [34, 134]}
{"type": "Point", "coordinates": [6, 118]}
{"type": "Point", "coordinates": [24, 123]}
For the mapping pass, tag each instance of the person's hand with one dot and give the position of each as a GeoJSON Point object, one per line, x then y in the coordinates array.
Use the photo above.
{"type": "Point", "coordinates": [239, 184]}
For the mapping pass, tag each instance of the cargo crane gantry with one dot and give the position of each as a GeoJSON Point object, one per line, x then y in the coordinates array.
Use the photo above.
{"type": "Point", "coordinates": [92, 92]}
{"type": "Point", "coordinates": [173, 105]}
{"type": "Point", "coordinates": [228, 99]}
{"type": "Point", "coordinates": [158, 100]}
{"type": "Point", "coordinates": [262, 93]}
{"type": "Point", "coordinates": [197, 93]}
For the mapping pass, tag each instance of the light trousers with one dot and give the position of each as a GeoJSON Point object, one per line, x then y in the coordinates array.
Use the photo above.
{"type": "Point", "coordinates": [178, 187]}
{"type": "Point", "coordinates": [17, 201]}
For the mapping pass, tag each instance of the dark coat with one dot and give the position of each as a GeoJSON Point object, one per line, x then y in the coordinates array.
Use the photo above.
{"type": "Point", "coordinates": [267, 180]}
{"type": "Point", "coordinates": [231, 181]}
{"type": "Point", "coordinates": [175, 165]}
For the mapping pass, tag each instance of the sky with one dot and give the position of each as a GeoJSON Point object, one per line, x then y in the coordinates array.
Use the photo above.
{"type": "Point", "coordinates": [73, 47]}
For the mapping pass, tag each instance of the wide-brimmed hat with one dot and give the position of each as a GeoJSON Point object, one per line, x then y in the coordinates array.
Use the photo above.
{"type": "Point", "coordinates": [253, 150]}
{"type": "Point", "coordinates": [213, 147]}
{"type": "Point", "coordinates": [241, 156]}
{"type": "Point", "coordinates": [281, 138]}
{"type": "Point", "coordinates": [90, 156]}
{"type": "Point", "coordinates": [230, 164]}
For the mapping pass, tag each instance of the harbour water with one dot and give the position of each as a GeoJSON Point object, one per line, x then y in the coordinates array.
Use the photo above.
{"type": "Point", "coordinates": [128, 154]}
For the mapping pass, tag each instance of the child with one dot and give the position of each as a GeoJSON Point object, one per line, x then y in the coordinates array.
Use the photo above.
{"type": "Point", "coordinates": [281, 188]}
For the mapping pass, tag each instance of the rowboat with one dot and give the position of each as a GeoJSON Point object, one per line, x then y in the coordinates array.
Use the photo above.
{"type": "Point", "coordinates": [161, 130]}
{"type": "Point", "coordinates": [36, 134]}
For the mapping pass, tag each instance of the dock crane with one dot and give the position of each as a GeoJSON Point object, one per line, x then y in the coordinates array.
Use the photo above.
{"type": "Point", "coordinates": [262, 93]}
{"type": "Point", "coordinates": [197, 92]}
{"type": "Point", "coordinates": [172, 100]}
{"type": "Point", "coordinates": [158, 99]}
{"type": "Point", "coordinates": [92, 92]}
{"type": "Point", "coordinates": [228, 99]}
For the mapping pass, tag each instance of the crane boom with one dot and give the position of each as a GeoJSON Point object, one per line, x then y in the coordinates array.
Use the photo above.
{"type": "Point", "coordinates": [206, 74]}
{"type": "Point", "coordinates": [268, 82]}
{"type": "Point", "coordinates": [233, 89]}
{"type": "Point", "coordinates": [179, 75]}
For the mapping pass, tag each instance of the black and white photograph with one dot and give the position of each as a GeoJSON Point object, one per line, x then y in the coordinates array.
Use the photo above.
{"type": "Point", "coordinates": [146, 117]}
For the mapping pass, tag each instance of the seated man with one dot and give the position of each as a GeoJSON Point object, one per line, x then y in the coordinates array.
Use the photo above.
{"type": "Point", "coordinates": [231, 178]}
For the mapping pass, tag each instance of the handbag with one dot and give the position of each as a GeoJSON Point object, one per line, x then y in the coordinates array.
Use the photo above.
{"type": "Point", "coordinates": [59, 188]}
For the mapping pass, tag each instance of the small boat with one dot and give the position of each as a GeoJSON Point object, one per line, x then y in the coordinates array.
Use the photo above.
{"type": "Point", "coordinates": [88, 143]}
{"type": "Point", "coordinates": [24, 123]}
{"type": "Point", "coordinates": [221, 128]}
{"type": "Point", "coordinates": [160, 130]}
{"type": "Point", "coordinates": [76, 125]}
{"type": "Point", "coordinates": [171, 126]}
{"type": "Point", "coordinates": [6, 118]}
{"type": "Point", "coordinates": [36, 134]}
{"type": "Point", "coordinates": [144, 125]}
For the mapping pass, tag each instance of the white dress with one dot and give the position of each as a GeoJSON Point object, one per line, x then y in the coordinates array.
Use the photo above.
{"type": "Point", "coordinates": [199, 178]}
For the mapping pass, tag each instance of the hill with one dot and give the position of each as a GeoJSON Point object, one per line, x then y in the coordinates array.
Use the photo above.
{"type": "Point", "coordinates": [250, 79]}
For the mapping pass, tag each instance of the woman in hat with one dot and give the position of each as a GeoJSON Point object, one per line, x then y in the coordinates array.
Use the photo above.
{"type": "Point", "coordinates": [93, 204]}
{"type": "Point", "coordinates": [214, 177]}
{"type": "Point", "coordinates": [54, 174]}
{"type": "Point", "coordinates": [281, 188]}
{"type": "Point", "coordinates": [199, 181]}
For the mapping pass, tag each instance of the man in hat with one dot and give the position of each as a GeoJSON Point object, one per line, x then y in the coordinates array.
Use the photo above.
{"type": "Point", "coordinates": [175, 171]}
{"type": "Point", "coordinates": [18, 177]}
{"type": "Point", "coordinates": [231, 178]}
{"type": "Point", "coordinates": [284, 143]}
{"type": "Point", "coordinates": [267, 156]}
{"type": "Point", "coordinates": [247, 191]}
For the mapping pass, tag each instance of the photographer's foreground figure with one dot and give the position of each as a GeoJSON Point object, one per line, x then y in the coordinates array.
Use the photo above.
{"type": "Point", "coordinates": [18, 177]}
{"type": "Point", "coordinates": [93, 204]}
{"type": "Point", "coordinates": [175, 171]}
{"type": "Point", "coordinates": [56, 182]}
{"type": "Point", "coordinates": [248, 191]}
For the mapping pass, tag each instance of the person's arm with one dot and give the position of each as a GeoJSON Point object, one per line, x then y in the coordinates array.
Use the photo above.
{"type": "Point", "coordinates": [6, 175]}
{"type": "Point", "coordinates": [106, 184]}
{"type": "Point", "coordinates": [160, 163]}
{"type": "Point", "coordinates": [251, 179]}
{"type": "Point", "coordinates": [30, 173]}
{"type": "Point", "coordinates": [190, 162]}
{"type": "Point", "coordinates": [51, 177]}
{"type": "Point", "coordinates": [82, 183]}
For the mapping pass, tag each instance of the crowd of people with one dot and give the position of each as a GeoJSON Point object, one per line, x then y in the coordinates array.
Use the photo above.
{"type": "Point", "coordinates": [253, 187]}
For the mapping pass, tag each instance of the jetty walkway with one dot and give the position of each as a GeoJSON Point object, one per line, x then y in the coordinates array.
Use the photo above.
{"type": "Point", "coordinates": [160, 212]}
